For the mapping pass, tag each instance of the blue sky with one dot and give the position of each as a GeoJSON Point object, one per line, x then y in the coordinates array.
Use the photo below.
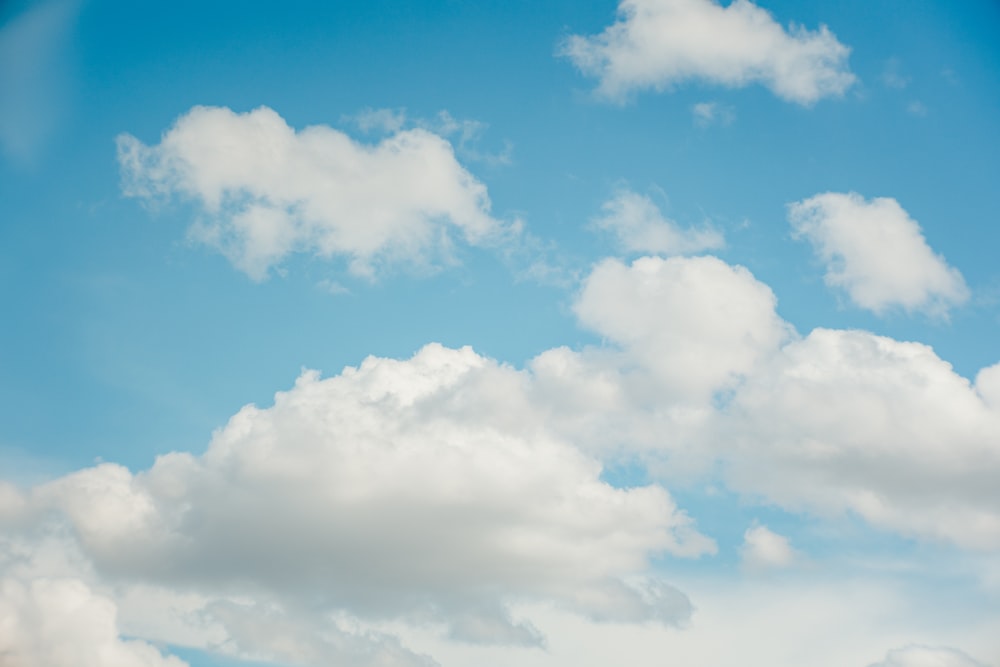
{"type": "Point", "coordinates": [726, 274]}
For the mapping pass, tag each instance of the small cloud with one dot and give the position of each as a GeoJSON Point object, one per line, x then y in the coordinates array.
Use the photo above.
{"type": "Point", "coordinates": [639, 226]}
{"type": "Point", "coordinates": [892, 75]}
{"type": "Point", "coordinates": [916, 108]}
{"type": "Point", "coordinates": [466, 134]}
{"type": "Point", "coordinates": [763, 549]}
{"type": "Point", "coordinates": [877, 253]}
{"type": "Point", "coordinates": [712, 113]}
{"type": "Point", "coordinates": [332, 287]}
{"type": "Point", "coordinates": [378, 120]}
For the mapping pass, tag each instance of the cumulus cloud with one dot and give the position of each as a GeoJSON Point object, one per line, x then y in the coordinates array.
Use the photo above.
{"type": "Point", "coordinates": [877, 253]}
{"type": "Point", "coordinates": [657, 44]}
{"type": "Point", "coordinates": [418, 489]}
{"type": "Point", "coordinates": [63, 623]}
{"type": "Point", "coordinates": [266, 191]}
{"type": "Point", "coordinates": [696, 323]}
{"type": "Point", "coordinates": [447, 493]}
{"type": "Point", "coordinates": [850, 421]}
{"type": "Point", "coordinates": [638, 226]}
{"type": "Point", "coordinates": [927, 656]}
{"type": "Point", "coordinates": [764, 549]}
{"type": "Point", "coordinates": [700, 367]}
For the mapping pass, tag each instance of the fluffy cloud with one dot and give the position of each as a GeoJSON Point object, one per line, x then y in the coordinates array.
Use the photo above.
{"type": "Point", "coordinates": [447, 493]}
{"type": "Point", "coordinates": [701, 368]}
{"type": "Point", "coordinates": [926, 656]}
{"type": "Point", "coordinates": [639, 226]}
{"type": "Point", "coordinates": [660, 43]}
{"type": "Point", "coordinates": [399, 489]}
{"type": "Point", "coordinates": [877, 253]}
{"type": "Point", "coordinates": [695, 323]}
{"type": "Point", "coordinates": [267, 191]}
{"type": "Point", "coordinates": [763, 548]}
{"type": "Point", "coordinates": [62, 623]}
{"type": "Point", "coordinates": [850, 421]}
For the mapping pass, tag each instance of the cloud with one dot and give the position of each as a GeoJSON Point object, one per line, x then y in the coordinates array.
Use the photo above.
{"type": "Point", "coordinates": [709, 113]}
{"type": "Point", "coordinates": [847, 421]}
{"type": "Point", "coordinates": [419, 489]}
{"type": "Point", "coordinates": [62, 623]}
{"type": "Point", "coordinates": [764, 549]}
{"type": "Point", "coordinates": [266, 191]}
{"type": "Point", "coordinates": [892, 75]}
{"type": "Point", "coordinates": [639, 226]}
{"type": "Point", "coordinates": [445, 494]}
{"type": "Point", "coordinates": [926, 656]}
{"type": "Point", "coordinates": [740, 622]}
{"type": "Point", "coordinates": [658, 44]}
{"type": "Point", "coordinates": [699, 371]}
{"type": "Point", "coordinates": [695, 323]}
{"type": "Point", "coordinates": [877, 253]}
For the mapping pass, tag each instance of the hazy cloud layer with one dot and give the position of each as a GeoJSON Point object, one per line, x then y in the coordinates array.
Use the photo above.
{"type": "Point", "coordinates": [266, 191]}
{"type": "Point", "coordinates": [927, 656]}
{"type": "Point", "coordinates": [877, 253]}
{"type": "Point", "coordinates": [33, 75]}
{"type": "Point", "coordinates": [658, 44]}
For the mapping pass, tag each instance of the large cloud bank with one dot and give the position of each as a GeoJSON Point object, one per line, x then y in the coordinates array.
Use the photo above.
{"type": "Point", "coordinates": [448, 490]}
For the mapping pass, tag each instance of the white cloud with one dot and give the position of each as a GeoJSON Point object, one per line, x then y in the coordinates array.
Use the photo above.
{"type": "Point", "coordinates": [877, 253]}
{"type": "Point", "coordinates": [753, 622]}
{"type": "Point", "coordinates": [411, 489]}
{"type": "Point", "coordinates": [267, 191]}
{"type": "Point", "coordinates": [62, 623]}
{"type": "Point", "coordinates": [838, 421]}
{"type": "Point", "coordinates": [657, 44]}
{"type": "Point", "coordinates": [639, 226]}
{"type": "Point", "coordinates": [849, 421]}
{"type": "Point", "coordinates": [988, 385]}
{"type": "Point", "coordinates": [763, 549]}
{"type": "Point", "coordinates": [708, 113]}
{"type": "Point", "coordinates": [447, 494]}
{"type": "Point", "coordinates": [927, 656]}
{"type": "Point", "coordinates": [695, 323]}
